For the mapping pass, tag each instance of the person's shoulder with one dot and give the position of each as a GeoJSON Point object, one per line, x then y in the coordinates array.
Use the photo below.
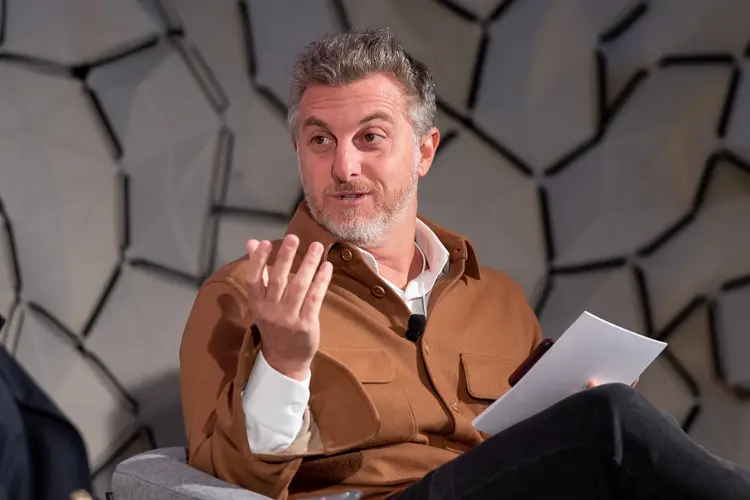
{"type": "Point", "coordinates": [511, 297]}
{"type": "Point", "coordinates": [502, 287]}
{"type": "Point", "coordinates": [500, 281]}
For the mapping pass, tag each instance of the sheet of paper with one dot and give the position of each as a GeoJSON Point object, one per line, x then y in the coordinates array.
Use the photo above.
{"type": "Point", "coordinates": [590, 349]}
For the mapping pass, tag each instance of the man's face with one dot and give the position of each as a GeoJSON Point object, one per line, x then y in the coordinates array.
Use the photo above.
{"type": "Point", "coordinates": [359, 158]}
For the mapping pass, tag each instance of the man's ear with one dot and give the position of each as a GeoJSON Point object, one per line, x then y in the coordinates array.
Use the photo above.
{"type": "Point", "coordinates": [294, 144]}
{"type": "Point", "coordinates": [427, 149]}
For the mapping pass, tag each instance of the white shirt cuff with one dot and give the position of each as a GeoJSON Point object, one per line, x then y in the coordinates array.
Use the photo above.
{"type": "Point", "coordinates": [274, 406]}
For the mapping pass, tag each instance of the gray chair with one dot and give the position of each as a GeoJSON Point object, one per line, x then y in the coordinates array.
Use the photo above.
{"type": "Point", "coordinates": [163, 474]}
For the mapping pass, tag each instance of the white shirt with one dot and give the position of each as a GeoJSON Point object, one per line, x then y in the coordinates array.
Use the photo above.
{"type": "Point", "coordinates": [274, 404]}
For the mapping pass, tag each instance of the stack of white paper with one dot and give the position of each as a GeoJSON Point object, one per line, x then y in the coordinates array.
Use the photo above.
{"type": "Point", "coordinates": [591, 349]}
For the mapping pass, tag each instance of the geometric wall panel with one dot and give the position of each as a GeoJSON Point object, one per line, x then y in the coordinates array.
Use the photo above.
{"type": "Point", "coordinates": [263, 173]}
{"type": "Point", "coordinates": [278, 37]}
{"type": "Point", "coordinates": [73, 31]}
{"type": "Point", "coordinates": [451, 58]}
{"type": "Point", "coordinates": [137, 336]}
{"type": "Point", "coordinates": [53, 151]}
{"type": "Point", "coordinates": [479, 8]}
{"type": "Point", "coordinates": [169, 116]}
{"type": "Point", "coordinates": [9, 334]}
{"type": "Point", "coordinates": [505, 230]}
{"type": "Point", "coordinates": [608, 293]}
{"type": "Point", "coordinates": [538, 91]}
{"type": "Point", "coordinates": [643, 175]}
{"type": "Point", "coordinates": [677, 27]}
{"type": "Point", "coordinates": [234, 231]}
{"type": "Point", "coordinates": [722, 423]}
{"type": "Point", "coordinates": [7, 273]}
{"type": "Point", "coordinates": [733, 332]}
{"type": "Point", "coordinates": [662, 385]}
{"type": "Point", "coordinates": [738, 128]}
{"type": "Point", "coordinates": [707, 252]}
{"type": "Point", "coordinates": [75, 382]}
{"type": "Point", "coordinates": [3, 20]}
{"type": "Point", "coordinates": [102, 480]}
{"type": "Point", "coordinates": [168, 133]}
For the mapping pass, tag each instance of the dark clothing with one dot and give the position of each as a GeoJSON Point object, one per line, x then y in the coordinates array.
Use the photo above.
{"type": "Point", "coordinates": [608, 443]}
{"type": "Point", "coordinates": [42, 456]}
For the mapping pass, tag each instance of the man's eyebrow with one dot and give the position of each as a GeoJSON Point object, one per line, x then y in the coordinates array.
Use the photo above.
{"type": "Point", "coordinates": [376, 116]}
{"type": "Point", "coordinates": [315, 122]}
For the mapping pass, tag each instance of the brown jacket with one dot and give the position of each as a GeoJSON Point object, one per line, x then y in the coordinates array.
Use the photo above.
{"type": "Point", "coordinates": [383, 410]}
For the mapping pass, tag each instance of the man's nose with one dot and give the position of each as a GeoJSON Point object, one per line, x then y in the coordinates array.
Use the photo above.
{"type": "Point", "coordinates": [346, 163]}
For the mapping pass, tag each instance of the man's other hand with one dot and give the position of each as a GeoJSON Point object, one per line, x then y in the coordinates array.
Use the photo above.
{"type": "Point", "coordinates": [594, 383]}
{"type": "Point", "coordinates": [286, 311]}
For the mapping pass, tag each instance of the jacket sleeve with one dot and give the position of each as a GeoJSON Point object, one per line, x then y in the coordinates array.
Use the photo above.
{"type": "Point", "coordinates": [217, 355]}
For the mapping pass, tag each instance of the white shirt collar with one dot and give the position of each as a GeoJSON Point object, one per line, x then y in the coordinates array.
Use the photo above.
{"type": "Point", "coordinates": [436, 260]}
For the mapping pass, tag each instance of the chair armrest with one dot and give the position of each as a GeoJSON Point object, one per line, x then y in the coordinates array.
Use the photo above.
{"type": "Point", "coordinates": [163, 474]}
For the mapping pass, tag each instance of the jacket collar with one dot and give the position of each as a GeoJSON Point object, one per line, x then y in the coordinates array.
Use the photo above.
{"type": "Point", "coordinates": [308, 230]}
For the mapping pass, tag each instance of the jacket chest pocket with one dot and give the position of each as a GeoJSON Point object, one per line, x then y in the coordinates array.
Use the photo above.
{"type": "Point", "coordinates": [485, 379]}
{"type": "Point", "coordinates": [374, 370]}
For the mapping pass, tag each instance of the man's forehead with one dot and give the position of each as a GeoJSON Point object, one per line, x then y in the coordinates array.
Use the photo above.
{"type": "Point", "coordinates": [360, 102]}
{"type": "Point", "coordinates": [378, 84]}
{"type": "Point", "coordinates": [373, 90]}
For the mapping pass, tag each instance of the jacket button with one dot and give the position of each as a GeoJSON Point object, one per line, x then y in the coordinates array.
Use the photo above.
{"type": "Point", "coordinates": [426, 349]}
{"type": "Point", "coordinates": [346, 255]}
{"type": "Point", "coordinates": [455, 407]}
{"type": "Point", "coordinates": [378, 291]}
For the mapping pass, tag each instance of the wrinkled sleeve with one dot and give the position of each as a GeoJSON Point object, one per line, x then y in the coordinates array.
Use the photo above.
{"type": "Point", "coordinates": [216, 357]}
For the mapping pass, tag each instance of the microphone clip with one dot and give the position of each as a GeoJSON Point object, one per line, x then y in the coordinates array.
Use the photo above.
{"type": "Point", "coordinates": [417, 325]}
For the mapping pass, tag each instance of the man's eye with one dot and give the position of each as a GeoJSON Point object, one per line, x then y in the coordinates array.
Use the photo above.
{"type": "Point", "coordinates": [371, 137]}
{"type": "Point", "coordinates": [320, 140]}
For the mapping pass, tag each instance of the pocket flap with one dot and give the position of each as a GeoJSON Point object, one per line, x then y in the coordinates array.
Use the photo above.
{"type": "Point", "coordinates": [370, 366]}
{"type": "Point", "coordinates": [486, 378]}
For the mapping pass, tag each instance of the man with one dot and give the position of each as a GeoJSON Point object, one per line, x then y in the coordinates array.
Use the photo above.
{"type": "Point", "coordinates": [298, 377]}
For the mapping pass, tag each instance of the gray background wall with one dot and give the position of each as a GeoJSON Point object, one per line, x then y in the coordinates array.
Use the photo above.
{"type": "Point", "coordinates": [598, 152]}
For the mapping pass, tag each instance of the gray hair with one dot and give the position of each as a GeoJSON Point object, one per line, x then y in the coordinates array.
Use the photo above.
{"type": "Point", "coordinates": [343, 58]}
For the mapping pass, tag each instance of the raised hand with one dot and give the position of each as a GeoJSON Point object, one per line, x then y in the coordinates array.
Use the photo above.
{"type": "Point", "coordinates": [286, 310]}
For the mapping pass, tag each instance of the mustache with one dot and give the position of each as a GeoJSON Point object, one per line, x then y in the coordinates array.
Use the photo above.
{"type": "Point", "coordinates": [345, 187]}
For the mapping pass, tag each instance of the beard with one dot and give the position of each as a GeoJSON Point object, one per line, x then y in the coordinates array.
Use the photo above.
{"type": "Point", "coordinates": [361, 226]}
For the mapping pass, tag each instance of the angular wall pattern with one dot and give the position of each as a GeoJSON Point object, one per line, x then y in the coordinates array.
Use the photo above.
{"type": "Point", "coordinates": [598, 152]}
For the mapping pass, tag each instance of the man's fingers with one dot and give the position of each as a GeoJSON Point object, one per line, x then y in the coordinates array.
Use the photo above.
{"type": "Point", "coordinates": [297, 289]}
{"type": "Point", "coordinates": [258, 253]}
{"type": "Point", "coordinates": [252, 246]}
{"type": "Point", "coordinates": [317, 292]}
{"type": "Point", "coordinates": [282, 265]}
